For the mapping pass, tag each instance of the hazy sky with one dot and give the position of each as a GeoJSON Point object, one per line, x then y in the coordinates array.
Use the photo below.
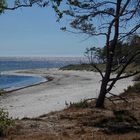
{"type": "Point", "coordinates": [34, 32]}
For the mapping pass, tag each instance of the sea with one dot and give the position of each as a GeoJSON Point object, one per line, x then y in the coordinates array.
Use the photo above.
{"type": "Point", "coordinates": [10, 81]}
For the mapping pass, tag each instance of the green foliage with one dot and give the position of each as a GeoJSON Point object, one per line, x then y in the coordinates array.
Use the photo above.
{"type": "Point", "coordinates": [134, 46]}
{"type": "Point", "coordinates": [122, 52]}
{"type": "Point", "coordinates": [2, 5]}
{"type": "Point", "coordinates": [137, 78]}
{"type": "Point", "coordinates": [80, 104]}
{"type": "Point", "coordinates": [2, 91]}
{"type": "Point", "coordinates": [6, 5]}
{"type": "Point", "coordinates": [123, 121]}
{"type": "Point", "coordinates": [5, 122]}
{"type": "Point", "coordinates": [124, 116]}
{"type": "Point", "coordinates": [87, 67]}
{"type": "Point", "coordinates": [135, 88]}
{"type": "Point", "coordinates": [94, 55]}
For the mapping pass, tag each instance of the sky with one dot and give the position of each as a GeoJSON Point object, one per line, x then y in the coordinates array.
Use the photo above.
{"type": "Point", "coordinates": [35, 32]}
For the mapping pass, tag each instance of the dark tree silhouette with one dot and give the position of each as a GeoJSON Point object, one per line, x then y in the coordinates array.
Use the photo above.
{"type": "Point", "coordinates": [113, 20]}
{"type": "Point", "coordinates": [6, 5]}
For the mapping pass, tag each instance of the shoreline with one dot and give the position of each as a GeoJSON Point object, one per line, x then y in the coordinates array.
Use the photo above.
{"type": "Point", "coordinates": [22, 73]}
{"type": "Point", "coordinates": [66, 87]}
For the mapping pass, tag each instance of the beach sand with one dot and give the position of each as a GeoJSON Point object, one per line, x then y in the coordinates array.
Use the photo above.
{"type": "Point", "coordinates": [66, 87]}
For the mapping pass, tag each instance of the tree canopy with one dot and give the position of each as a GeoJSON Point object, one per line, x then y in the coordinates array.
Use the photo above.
{"type": "Point", "coordinates": [6, 5]}
{"type": "Point", "coordinates": [131, 45]}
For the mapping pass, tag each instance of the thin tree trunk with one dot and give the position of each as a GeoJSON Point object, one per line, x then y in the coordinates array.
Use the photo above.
{"type": "Point", "coordinates": [101, 97]}
{"type": "Point", "coordinates": [110, 56]}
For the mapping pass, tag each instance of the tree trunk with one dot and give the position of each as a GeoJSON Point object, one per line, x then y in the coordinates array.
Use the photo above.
{"type": "Point", "coordinates": [101, 97]}
{"type": "Point", "coordinates": [110, 55]}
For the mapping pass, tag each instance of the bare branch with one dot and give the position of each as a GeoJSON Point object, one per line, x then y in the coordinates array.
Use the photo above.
{"type": "Point", "coordinates": [16, 7]}
{"type": "Point", "coordinates": [118, 97]}
{"type": "Point", "coordinates": [86, 32]}
{"type": "Point", "coordinates": [133, 30]}
{"type": "Point", "coordinates": [94, 14]}
{"type": "Point", "coordinates": [126, 76]}
{"type": "Point", "coordinates": [115, 69]}
{"type": "Point", "coordinates": [110, 100]}
{"type": "Point", "coordinates": [122, 70]}
{"type": "Point", "coordinates": [26, 4]}
{"type": "Point", "coordinates": [95, 66]}
{"type": "Point", "coordinates": [132, 12]}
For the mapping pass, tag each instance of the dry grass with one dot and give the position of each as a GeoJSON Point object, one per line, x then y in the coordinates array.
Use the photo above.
{"type": "Point", "coordinates": [115, 122]}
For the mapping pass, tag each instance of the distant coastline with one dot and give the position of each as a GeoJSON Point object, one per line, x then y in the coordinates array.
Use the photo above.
{"type": "Point", "coordinates": [64, 58]}
{"type": "Point", "coordinates": [20, 63]}
{"type": "Point", "coordinates": [8, 66]}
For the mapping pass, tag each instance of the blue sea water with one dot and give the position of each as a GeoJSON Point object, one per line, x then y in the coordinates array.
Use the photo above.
{"type": "Point", "coordinates": [34, 63]}
{"type": "Point", "coordinates": [10, 82]}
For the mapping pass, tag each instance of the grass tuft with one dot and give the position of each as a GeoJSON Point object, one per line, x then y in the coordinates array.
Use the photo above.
{"type": "Point", "coordinates": [135, 88]}
{"type": "Point", "coordinates": [80, 104]}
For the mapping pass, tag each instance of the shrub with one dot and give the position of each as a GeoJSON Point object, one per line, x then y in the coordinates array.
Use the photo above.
{"type": "Point", "coordinates": [137, 78]}
{"type": "Point", "coordinates": [2, 91]}
{"type": "Point", "coordinates": [84, 66]}
{"type": "Point", "coordinates": [135, 88]}
{"type": "Point", "coordinates": [80, 104]}
{"type": "Point", "coordinates": [5, 122]}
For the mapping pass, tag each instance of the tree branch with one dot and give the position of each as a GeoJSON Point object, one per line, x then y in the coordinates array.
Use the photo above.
{"type": "Point", "coordinates": [115, 69]}
{"type": "Point", "coordinates": [122, 70]}
{"type": "Point", "coordinates": [16, 7]}
{"type": "Point", "coordinates": [118, 97]}
{"type": "Point", "coordinates": [110, 100]}
{"type": "Point", "coordinates": [30, 4]}
{"type": "Point", "coordinates": [98, 70]}
{"type": "Point", "coordinates": [126, 76]}
{"type": "Point", "coordinates": [133, 30]}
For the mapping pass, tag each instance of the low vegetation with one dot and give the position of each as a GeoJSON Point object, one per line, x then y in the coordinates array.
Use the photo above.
{"type": "Point", "coordinates": [84, 66]}
{"type": "Point", "coordinates": [81, 120]}
{"type": "Point", "coordinates": [135, 88]}
{"type": "Point", "coordinates": [122, 122]}
{"type": "Point", "coordinates": [137, 78]}
{"type": "Point", "coordinates": [5, 122]}
{"type": "Point", "coordinates": [89, 67]}
{"type": "Point", "coordinates": [2, 91]}
{"type": "Point", "coordinates": [80, 104]}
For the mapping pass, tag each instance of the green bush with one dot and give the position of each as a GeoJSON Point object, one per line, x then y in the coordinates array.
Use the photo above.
{"type": "Point", "coordinates": [80, 104]}
{"type": "Point", "coordinates": [84, 66]}
{"type": "Point", "coordinates": [137, 78]}
{"type": "Point", "coordinates": [2, 91]}
{"type": "Point", "coordinates": [125, 116]}
{"type": "Point", "coordinates": [135, 88]}
{"type": "Point", "coordinates": [87, 67]}
{"type": "Point", "coordinates": [5, 122]}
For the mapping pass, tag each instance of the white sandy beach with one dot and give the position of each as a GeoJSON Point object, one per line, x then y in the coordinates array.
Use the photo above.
{"type": "Point", "coordinates": [67, 86]}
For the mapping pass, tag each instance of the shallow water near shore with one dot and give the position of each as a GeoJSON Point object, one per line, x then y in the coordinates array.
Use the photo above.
{"type": "Point", "coordinates": [13, 82]}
